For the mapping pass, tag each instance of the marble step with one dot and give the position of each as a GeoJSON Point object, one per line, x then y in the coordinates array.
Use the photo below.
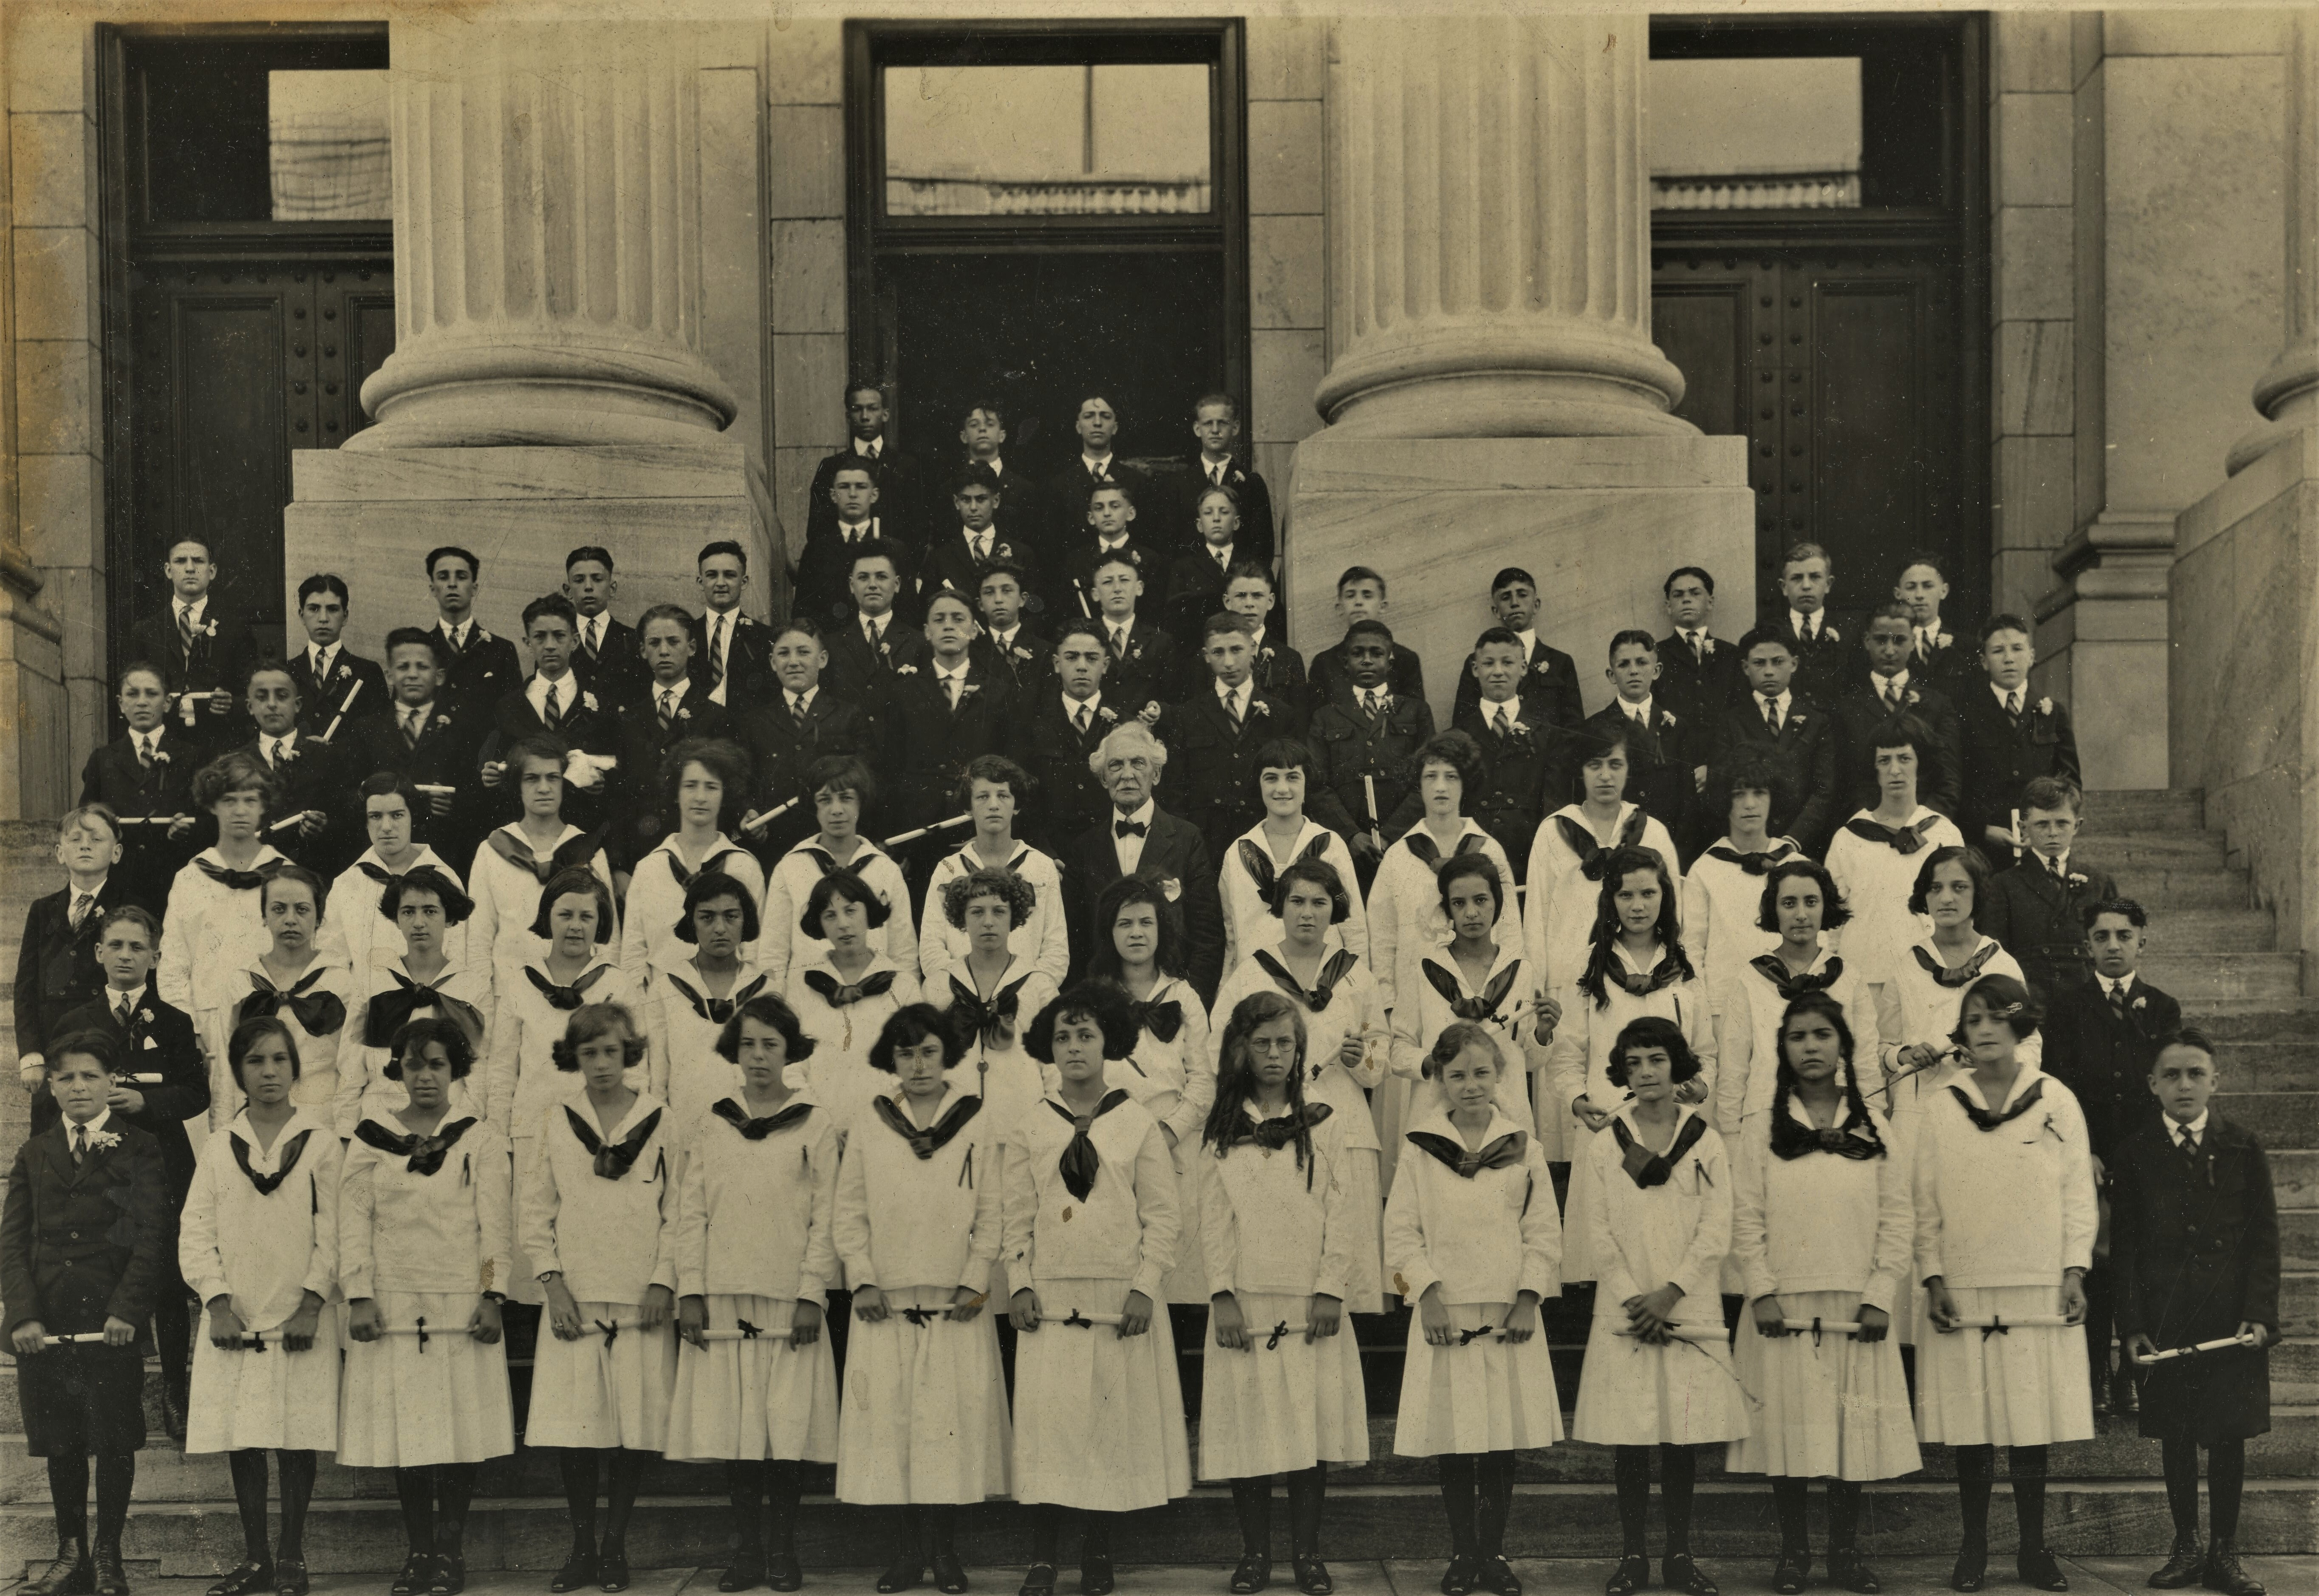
{"type": "Point", "coordinates": [2196, 979]}
{"type": "Point", "coordinates": [2159, 809]}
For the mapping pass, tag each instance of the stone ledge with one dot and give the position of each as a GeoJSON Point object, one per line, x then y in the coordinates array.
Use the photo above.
{"type": "Point", "coordinates": [706, 470]}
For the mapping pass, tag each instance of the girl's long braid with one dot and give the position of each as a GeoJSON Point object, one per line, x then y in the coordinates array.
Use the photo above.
{"type": "Point", "coordinates": [1855, 1105]}
{"type": "Point", "coordinates": [1595, 980]}
{"type": "Point", "coordinates": [1236, 1082]}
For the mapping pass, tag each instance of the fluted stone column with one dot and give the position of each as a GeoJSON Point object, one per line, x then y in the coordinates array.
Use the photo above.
{"type": "Point", "coordinates": [1493, 397]}
{"type": "Point", "coordinates": [547, 240]}
{"type": "Point", "coordinates": [1490, 231]}
{"type": "Point", "coordinates": [2288, 394]}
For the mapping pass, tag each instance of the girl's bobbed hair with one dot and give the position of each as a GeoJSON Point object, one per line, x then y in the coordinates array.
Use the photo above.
{"type": "Point", "coordinates": [1479, 866]}
{"type": "Point", "coordinates": [410, 1040]}
{"type": "Point", "coordinates": [766, 1009]}
{"type": "Point", "coordinates": [1834, 911]}
{"type": "Point", "coordinates": [246, 1036]}
{"type": "Point", "coordinates": [1011, 890]}
{"type": "Point", "coordinates": [1652, 1031]}
{"type": "Point", "coordinates": [1975, 867]}
{"type": "Point", "coordinates": [425, 878]}
{"type": "Point", "coordinates": [593, 1021]}
{"type": "Point", "coordinates": [1455, 1037]}
{"type": "Point", "coordinates": [564, 883]}
{"type": "Point", "coordinates": [1314, 872]}
{"type": "Point", "coordinates": [1168, 949]}
{"type": "Point", "coordinates": [708, 887]}
{"type": "Point", "coordinates": [313, 884]}
{"type": "Point", "coordinates": [236, 773]}
{"type": "Point", "coordinates": [847, 885]}
{"type": "Point", "coordinates": [2010, 1000]}
{"type": "Point", "coordinates": [1106, 1005]}
{"type": "Point", "coordinates": [911, 1024]}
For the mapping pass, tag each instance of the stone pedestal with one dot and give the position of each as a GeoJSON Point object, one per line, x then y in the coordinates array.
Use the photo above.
{"type": "Point", "coordinates": [2288, 392]}
{"type": "Point", "coordinates": [2101, 645]}
{"type": "Point", "coordinates": [1599, 521]}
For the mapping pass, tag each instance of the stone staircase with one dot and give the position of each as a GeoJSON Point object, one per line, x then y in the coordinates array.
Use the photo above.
{"type": "Point", "coordinates": [2211, 948]}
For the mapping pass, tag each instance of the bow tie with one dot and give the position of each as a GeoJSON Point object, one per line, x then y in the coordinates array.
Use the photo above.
{"type": "Point", "coordinates": [575, 852]}
{"type": "Point", "coordinates": [1853, 1139]}
{"type": "Point", "coordinates": [875, 984]}
{"type": "Point", "coordinates": [267, 1184]}
{"type": "Point", "coordinates": [1593, 858]}
{"type": "Point", "coordinates": [1081, 1164]}
{"type": "Point", "coordinates": [1904, 840]}
{"type": "Point", "coordinates": [931, 1141]}
{"type": "Point", "coordinates": [1483, 1008]}
{"type": "Point", "coordinates": [758, 1128]}
{"type": "Point", "coordinates": [377, 872]}
{"type": "Point", "coordinates": [426, 1153]}
{"type": "Point", "coordinates": [1665, 973]}
{"type": "Point", "coordinates": [1963, 974]}
{"type": "Point", "coordinates": [1503, 1153]}
{"type": "Point", "coordinates": [391, 1011]}
{"type": "Point", "coordinates": [1129, 828]}
{"type": "Point", "coordinates": [1257, 862]}
{"type": "Point", "coordinates": [992, 1021]}
{"type": "Point", "coordinates": [1754, 864]}
{"type": "Point", "coordinates": [715, 867]}
{"type": "Point", "coordinates": [1163, 1019]}
{"type": "Point", "coordinates": [240, 881]}
{"type": "Point", "coordinates": [718, 1011]}
{"type": "Point", "coordinates": [613, 1159]}
{"type": "Point", "coordinates": [565, 997]}
{"type": "Point", "coordinates": [1428, 852]}
{"type": "Point", "coordinates": [318, 1013]}
{"type": "Point", "coordinates": [1648, 1169]}
{"type": "Point", "coordinates": [1338, 964]}
{"type": "Point", "coordinates": [1983, 1120]}
{"type": "Point", "coordinates": [1273, 1134]}
{"type": "Point", "coordinates": [1790, 985]}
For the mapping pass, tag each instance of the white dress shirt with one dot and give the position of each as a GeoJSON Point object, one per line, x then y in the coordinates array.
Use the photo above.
{"type": "Point", "coordinates": [1129, 848]}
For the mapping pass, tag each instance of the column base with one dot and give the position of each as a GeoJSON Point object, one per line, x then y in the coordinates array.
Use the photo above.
{"type": "Point", "coordinates": [35, 754]}
{"type": "Point", "coordinates": [2101, 646]}
{"type": "Point", "coordinates": [372, 515]}
{"type": "Point", "coordinates": [1599, 521]}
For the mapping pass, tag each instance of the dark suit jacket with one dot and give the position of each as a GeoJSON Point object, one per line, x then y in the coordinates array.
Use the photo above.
{"type": "Point", "coordinates": [781, 750]}
{"type": "Point", "coordinates": [80, 1244]}
{"type": "Point", "coordinates": [1701, 689]}
{"type": "Point", "coordinates": [868, 679]}
{"type": "Point", "coordinates": [1347, 745]}
{"type": "Point", "coordinates": [2001, 759]}
{"type": "Point", "coordinates": [447, 753]}
{"type": "Point", "coordinates": [1028, 666]}
{"type": "Point", "coordinates": [2041, 920]}
{"type": "Point", "coordinates": [930, 744]}
{"type": "Point", "coordinates": [824, 564]}
{"type": "Point", "coordinates": [590, 731]}
{"type": "Point", "coordinates": [1953, 668]}
{"type": "Point", "coordinates": [1149, 671]}
{"type": "Point", "coordinates": [174, 1055]}
{"type": "Point", "coordinates": [1212, 764]}
{"type": "Point", "coordinates": [1066, 798]}
{"type": "Point", "coordinates": [617, 667]}
{"type": "Point", "coordinates": [641, 800]}
{"type": "Point", "coordinates": [748, 657]}
{"type": "Point", "coordinates": [904, 497]}
{"type": "Point", "coordinates": [149, 860]}
{"type": "Point", "coordinates": [1806, 742]}
{"type": "Point", "coordinates": [2103, 1058]}
{"type": "Point", "coordinates": [56, 966]}
{"type": "Point", "coordinates": [1525, 776]}
{"type": "Point", "coordinates": [317, 775]}
{"type": "Point", "coordinates": [1549, 688]}
{"type": "Point", "coordinates": [318, 701]}
{"type": "Point", "coordinates": [1064, 496]}
{"type": "Point", "coordinates": [1862, 710]}
{"type": "Point", "coordinates": [489, 668]}
{"type": "Point", "coordinates": [221, 656]}
{"type": "Point", "coordinates": [1827, 666]}
{"type": "Point", "coordinates": [1195, 591]}
{"type": "Point", "coordinates": [1256, 540]}
{"type": "Point", "coordinates": [1173, 850]}
{"type": "Point", "coordinates": [1078, 556]}
{"type": "Point", "coordinates": [1660, 762]}
{"type": "Point", "coordinates": [1405, 676]}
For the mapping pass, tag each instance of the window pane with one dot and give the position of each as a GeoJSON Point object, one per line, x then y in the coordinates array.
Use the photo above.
{"type": "Point", "coordinates": [1074, 141]}
{"type": "Point", "coordinates": [1756, 134]}
{"type": "Point", "coordinates": [327, 137]}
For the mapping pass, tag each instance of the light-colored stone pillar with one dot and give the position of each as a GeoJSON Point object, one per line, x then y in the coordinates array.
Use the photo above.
{"type": "Point", "coordinates": [2288, 392]}
{"type": "Point", "coordinates": [1494, 395]}
{"type": "Point", "coordinates": [1490, 231]}
{"type": "Point", "coordinates": [547, 240]}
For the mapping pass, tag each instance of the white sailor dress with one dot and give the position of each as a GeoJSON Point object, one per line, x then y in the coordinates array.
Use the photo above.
{"type": "Point", "coordinates": [1043, 942]}
{"type": "Point", "coordinates": [213, 922]}
{"type": "Point", "coordinates": [655, 902]}
{"type": "Point", "coordinates": [1876, 880]}
{"type": "Point", "coordinates": [1404, 904]}
{"type": "Point", "coordinates": [1748, 1011]}
{"type": "Point", "coordinates": [924, 1418]}
{"type": "Point", "coordinates": [260, 1224]}
{"type": "Point", "coordinates": [996, 1068]}
{"type": "Point", "coordinates": [599, 1207]}
{"type": "Point", "coordinates": [1481, 1224]}
{"type": "Point", "coordinates": [460, 992]}
{"type": "Point", "coordinates": [686, 1018]}
{"type": "Point", "coordinates": [314, 1008]}
{"type": "Point", "coordinates": [1344, 1002]}
{"type": "Point", "coordinates": [425, 1228]}
{"type": "Point", "coordinates": [505, 881]}
{"type": "Point", "coordinates": [1563, 900]}
{"type": "Point", "coordinates": [785, 945]}
{"type": "Point", "coordinates": [1722, 905]}
{"type": "Point", "coordinates": [1172, 1073]}
{"type": "Point", "coordinates": [1247, 873]}
{"type": "Point", "coordinates": [1275, 1235]}
{"type": "Point", "coordinates": [1919, 1000]}
{"type": "Point", "coordinates": [1435, 994]}
{"type": "Point", "coordinates": [352, 927]}
{"type": "Point", "coordinates": [1098, 1417]}
{"type": "Point", "coordinates": [753, 1238]}
{"type": "Point", "coordinates": [843, 1017]}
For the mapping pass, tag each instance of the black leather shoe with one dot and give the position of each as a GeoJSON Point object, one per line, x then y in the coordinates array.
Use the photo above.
{"type": "Point", "coordinates": [1971, 1568]}
{"type": "Point", "coordinates": [111, 1579]}
{"type": "Point", "coordinates": [243, 1577]}
{"type": "Point", "coordinates": [783, 1573]}
{"type": "Point", "coordinates": [1252, 1574]}
{"type": "Point", "coordinates": [417, 1572]}
{"type": "Point", "coordinates": [746, 1572]}
{"type": "Point", "coordinates": [2124, 1397]}
{"type": "Point", "coordinates": [1096, 1575]}
{"type": "Point", "coordinates": [612, 1569]}
{"type": "Point", "coordinates": [2183, 1566]}
{"type": "Point", "coordinates": [1461, 1577]}
{"type": "Point", "coordinates": [902, 1573]}
{"type": "Point", "coordinates": [950, 1573]}
{"type": "Point", "coordinates": [173, 1404]}
{"type": "Point", "coordinates": [290, 1577]}
{"type": "Point", "coordinates": [1678, 1572]}
{"type": "Point", "coordinates": [1313, 1577]}
{"type": "Point", "coordinates": [1788, 1572]}
{"type": "Point", "coordinates": [71, 1574]}
{"type": "Point", "coordinates": [1039, 1580]}
{"type": "Point", "coordinates": [1633, 1573]}
{"type": "Point", "coordinates": [578, 1573]}
{"type": "Point", "coordinates": [450, 1575]}
{"type": "Point", "coordinates": [2224, 1572]}
{"type": "Point", "coordinates": [1498, 1577]}
{"type": "Point", "coordinates": [2040, 1570]}
{"type": "Point", "coordinates": [1847, 1572]}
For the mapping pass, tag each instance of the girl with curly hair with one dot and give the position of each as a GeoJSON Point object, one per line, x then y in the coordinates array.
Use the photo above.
{"type": "Point", "coordinates": [1921, 993]}
{"type": "Point", "coordinates": [212, 918]}
{"type": "Point", "coordinates": [990, 993]}
{"type": "Point", "coordinates": [1798, 903]}
{"type": "Point", "coordinates": [299, 980]}
{"type": "Point", "coordinates": [843, 793]}
{"type": "Point", "coordinates": [994, 792]}
{"type": "Point", "coordinates": [1724, 885]}
{"type": "Point", "coordinates": [844, 997]}
{"type": "Point", "coordinates": [1568, 857]}
{"type": "Point", "coordinates": [705, 781]}
{"type": "Point", "coordinates": [1287, 836]}
{"type": "Point", "coordinates": [691, 998]}
{"type": "Point", "coordinates": [426, 979]}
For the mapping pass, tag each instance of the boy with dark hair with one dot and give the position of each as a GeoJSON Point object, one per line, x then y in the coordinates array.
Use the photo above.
{"type": "Point", "coordinates": [1251, 594]}
{"type": "Point", "coordinates": [797, 721]}
{"type": "Point", "coordinates": [893, 478]}
{"type": "Point", "coordinates": [480, 667]}
{"type": "Point", "coordinates": [1549, 688]}
{"type": "Point", "coordinates": [1108, 535]}
{"type": "Point", "coordinates": [943, 715]}
{"type": "Point", "coordinates": [1097, 420]}
{"type": "Point", "coordinates": [1937, 655]}
{"type": "Point", "coordinates": [1895, 685]}
{"type": "Point", "coordinates": [982, 430]}
{"type": "Point", "coordinates": [960, 554]}
{"type": "Point", "coordinates": [435, 743]}
{"type": "Point", "coordinates": [729, 646]}
{"type": "Point", "coordinates": [853, 493]}
{"type": "Point", "coordinates": [2011, 736]}
{"type": "Point", "coordinates": [1698, 672]}
{"type": "Point", "coordinates": [1823, 660]}
{"type": "Point", "coordinates": [315, 779]}
{"type": "Point", "coordinates": [56, 968]}
{"type": "Point", "coordinates": [659, 712]}
{"type": "Point", "coordinates": [1008, 646]}
{"type": "Point", "coordinates": [1783, 722]}
{"type": "Point", "coordinates": [1361, 596]}
{"type": "Point", "coordinates": [1524, 761]}
{"type": "Point", "coordinates": [1216, 462]}
{"type": "Point", "coordinates": [1365, 739]}
{"type": "Point", "coordinates": [145, 779]}
{"type": "Point", "coordinates": [324, 671]}
{"type": "Point", "coordinates": [2037, 910]}
{"type": "Point", "coordinates": [1197, 577]}
{"type": "Point", "coordinates": [607, 659]}
{"type": "Point", "coordinates": [553, 703]}
{"type": "Point", "coordinates": [1068, 716]}
{"type": "Point", "coordinates": [1212, 737]}
{"type": "Point", "coordinates": [1144, 663]}
{"type": "Point", "coordinates": [203, 652]}
{"type": "Point", "coordinates": [1663, 754]}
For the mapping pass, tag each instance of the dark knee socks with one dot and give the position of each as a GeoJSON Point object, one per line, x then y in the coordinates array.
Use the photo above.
{"type": "Point", "coordinates": [1458, 1484]}
{"type": "Point", "coordinates": [1630, 1468]}
{"type": "Point", "coordinates": [939, 1523]}
{"type": "Point", "coordinates": [116, 1475]}
{"type": "Point", "coordinates": [1096, 1540]}
{"type": "Point", "coordinates": [1494, 1502]}
{"type": "Point", "coordinates": [2225, 1480]}
{"type": "Point", "coordinates": [744, 1483]}
{"type": "Point", "coordinates": [1678, 1470]}
{"type": "Point", "coordinates": [1046, 1532]}
{"type": "Point", "coordinates": [578, 1466]}
{"type": "Point", "coordinates": [247, 1466]}
{"type": "Point", "coordinates": [1307, 1488]}
{"type": "Point", "coordinates": [2027, 1465]}
{"type": "Point", "coordinates": [1976, 1469]}
{"type": "Point", "coordinates": [298, 1471]}
{"type": "Point", "coordinates": [1789, 1507]}
{"type": "Point", "coordinates": [1842, 1516]}
{"type": "Point", "coordinates": [415, 1488]}
{"type": "Point", "coordinates": [455, 1488]}
{"type": "Point", "coordinates": [627, 1471]}
{"type": "Point", "coordinates": [782, 1488]}
{"type": "Point", "coordinates": [1252, 1506]}
{"type": "Point", "coordinates": [68, 1494]}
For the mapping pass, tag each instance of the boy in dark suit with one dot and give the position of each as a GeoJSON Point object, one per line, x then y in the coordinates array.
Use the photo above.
{"type": "Point", "coordinates": [1136, 837]}
{"type": "Point", "coordinates": [326, 673]}
{"type": "Point", "coordinates": [1523, 773]}
{"type": "Point", "coordinates": [1784, 723]}
{"type": "Point", "coordinates": [2011, 736]}
{"type": "Point", "coordinates": [1661, 757]}
{"type": "Point", "coordinates": [1361, 596]}
{"type": "Point", "coordinates": [2103, 1034]}
{"type": "Point", "coordinates": [982, 430]}
{"type": "Point", "coordinates": [728, 659]}
{"type": "Point", "coordinates": [314, 780]}
{"type": "Point", "coordinates": [788, 730]}
{"type": "Point", "coordinates": [553, 702]}
{"type": "Point", "coordinates": [1144, 662]}
{"type": "Point", "coordinates": [56, 968]}
{"type": "Point", "coordinates": [607, 659]}
{"type": "Point", "coordinates": [1252, 595]}
{"type": "Point", "coordinates": [819, 590]}
{"type": "Point", "coordinates": [435, 745]}
{"type": "Point", "coordinates": [2037, 911]}
{"type": "Point", "coordinates": [1698, 672]}
{"type": "Point", "coordinates": [943, 717]}
{"type": "Point", "coordinates": [145, 776]}
{"type": "Point", "coordinates": [1216, 424]}
{"type": "Point", "coordinates": [659, 712]}
{"type": "Point", "coordinates": [480, 667]}
{"type": "Point", "coordinates": [1550, 681]}
{"type": "Point", "coordinates": [1824, 663]}
{"type": "Point", "coordinates": [1110, 533]}
{"type": "Point", "coordinates": [2193, 1242]}
{"type": "Point", "coordinates": [958, 557]}
{"type": "Point", "coordinates": [1212, 737]}
{"type": "Point", "coordinates": [1938, 657]}
{"type": "Point", "coordinates": [1196, 578]}
{"type": "Point", "coordinates": [1064, 719]}
{"type": "Point", "coordinates": [203, 652]}
{"type": "Point", "coordinates": [872, 644]}
{"type": "Point", "coordinates": [1895, 687]}
{"type": "Point", "coordinates": [1006, 645]}
{"type": "Point", "coordinates": [893, 480]}
{"type": "Point", "coordinates": [1097, 420]}
{"type": "Point", "coordinates": [1364, 740]}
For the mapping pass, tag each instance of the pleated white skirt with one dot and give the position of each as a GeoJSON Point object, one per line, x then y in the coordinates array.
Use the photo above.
{"type": "Point", "coordinates": [1271, 1410]}
{"type": "Point", "coordinates": [282, 1400]}
{"type": "Point", "coordinates": [1632, 1394]}
{"type": "Point", "coordinates": [591, 1393]}
{"type": "Point", "coordinates": [1186, 1283]}
{"type": "Point", "coordinates": [407, 1402]}
{"type": "Point", "coordinates": [924, 1415]}
{"type": "Point", "coordinates": [752, 1399]}
{"type": "Point", "coordinates": [1485, 1395]}
{"type": "Point", "coordinates": [1099, 1417]}
{"type": "Point", "coordinates": [2028, 1387]}
{"type": "Point", "coordinates": [1837, 1409]}
{"type": "Point", "coordinates": [1578, 1261]}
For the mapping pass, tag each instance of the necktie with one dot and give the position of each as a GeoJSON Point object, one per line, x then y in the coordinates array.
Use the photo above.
{"type": "Point", "coordinates": [1891, 694]}
{"type": "Point", "coordinates": [982, 546]}
{"type": "Point", "coordinates": [1692, 640]}
{"type": "Point", "coordinates": [80, 1142]}
{"type": "Point", "coordinates": [595, 635]}
{"type": "Point", "coordinates": [876, 636]}
{"type": "Point", "coordinates": [1811, 631]}
{"type": "Point", "coordinates": [409, 726]}
{"type": "Point", "coordinates": [186, 628]}
{"type": "Point", "coordinates": [1081, 716]}
{"type": "Point", "coordinates": [2189, 1142]}
{"type": "Point", "coordinates": [1216, 473]}
{"type": "Point", "coordinates": [2118, 997]}
{"type": "Point", "coordinates": [951, 686]}
{"type": "Point", "coordinates": [124, 1008]}
{"type": "Point", "coordinates": [2055, 865]}
{"type": "Point", "coordinates": [320, 667]}
{"type": "Point", "coordinates": [1369, 702]}
{"type": "Point", "coordinates": [667, 708]}
{"type": "Point", "coordinates": [716, 653]}
{"type": "Point", "coordinates": [458, 637]}
{"type": "Point", "coordinates": [2012, 703]}
{"type": "Point", "coordinates": [1232, 707]}
{"type": "Point", "coordinates": [81, 905]}
{"type": "Point", "coordinates": [796, 705]}
{"type": "Point", "coordinates": [553, 715]}
{"type": "Point", "coordinates": [144, 749]}
{"type": "Point", "coordinates": [1771, 715]}
{"type": "Point", "coordinates": [1118, 642]}
{"type": "Point", "coordinates": [1503, 724]}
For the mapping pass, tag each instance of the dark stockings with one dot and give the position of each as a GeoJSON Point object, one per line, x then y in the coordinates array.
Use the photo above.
{"type": "Point", "coordinates": [247, 1464]}
{"type": "Point", "coordinates": [1457, 1491]}
{"type": "Point", "coordinates": [116, 1472]}
{"type": "Point", "coordinates": [298, 1471]}
{"type": "Point", "coordinates": [435, 1499]}
{"type": "Point", "coordinates": [2225, 1481]}
{"type": "Point", "coordinates": [1842, 1516]}
{"type": "Point", "coordinates": [1306, 1489]}
{"type": "Point", "coordinates": [1494, 1502]}
{"type": "Point", "coordinates": [1046, 1532]}
{"type": "Point", "coordinates": [1252, 1506]}
{"type": "Point", "coordinates": [1977, 1477]}
{"type": "Point", "coordinates": [1790, 1506]}
{"type": "Point", "coordinates": [1678, 1473]}
{"type": "Point", "coordinates": [626, 1471]}
{"type": "Point", "coordinates": [745, 1483]}
{"type": "Point", "coordinates": [782, 1488]}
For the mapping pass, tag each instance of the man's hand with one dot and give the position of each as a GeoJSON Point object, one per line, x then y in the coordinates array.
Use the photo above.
{"type": "Point", "coordinates": [180, 827]}
{"type": "Point", "coordinates": [119, 1331]}
{"type": "Point", "coordinates": [2139, 1346]}
{"type": "Point", "coordinates": [125, 1099]}
{"type": "Point", "coordinates": [32, 1070]}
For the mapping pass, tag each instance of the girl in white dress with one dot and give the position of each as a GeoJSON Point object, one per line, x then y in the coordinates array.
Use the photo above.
{"type": "Point", "coordinates": [1798, 903]}
{"type": "Point", "coordinates": [1406, 922]}
{"type": "Point", "coordinates": [213, 921]}
{"type": "Point", "coordinates": [2004, 1231]}
{"type": "Point", "coordinates": [844, 997]}
{"type": "Point", "coordinates": [994, 789]}
{"type": "Point", "coordinates": [1475, 1244]}
{"type": "Point", "coordinates": [754, 1254]}
{"type": "Point", "coordinates": [704, 778]}
{"type": "Point", "coordinates": [1920, 994]}
{"type": "Point", "coordinates": [1822, 1230]}
{"type": "Point", "coordinates": [391, 807]}
{"type": "Point", "coordinates": [425, 1237]}
{"type": "Point", "coordinates": [1637, 967]}
{"type": "Point", "coordinates": [1570, 853]}
{"type": "Point", "coordinates": [1348, 1048]}
{"type": "Point", "coordinates": [1874, 856]}
{"type": "Point", "coordinates": [692, 999]}
{"type": "Point", "coordinates": [296, 981]}
{"type": "Point", "coordinates": [257, 1241]}
{"type": "Point", "coordinates": [992, 991]}
{"type": "Point", "coordinates": [1171, 1070]}
{"type": "Point", "coordinates": [843, 791]}
{"type": "Point", "coordinates": [1089, 1227]}
{"type": "Point", "coordinates": [426, 905]}
{"type": "Point", "coordinates": [595, 1215]}
{"type": "Point", "coordinates": [1277, 1243]}
{"type": "Point", "coordinates": [924, 1422]}
{"type": "Point", "coordinates": [1723, 889]}
{"type": "Point", "coordinates": [1251, 867]}
{"type": "Point", "coordinates": [1476, 977]}
{"type": "Point", "coordinates": [516, 861]}
{"type": "Point", "coordinates": [1659, 1188]}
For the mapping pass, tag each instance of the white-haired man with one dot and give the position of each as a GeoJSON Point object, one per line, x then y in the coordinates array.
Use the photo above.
{"type": "Point", "coordinates": [1139, 838]}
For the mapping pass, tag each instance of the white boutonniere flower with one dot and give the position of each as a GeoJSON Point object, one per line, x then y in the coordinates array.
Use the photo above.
{"type": "Point", "coordinates": [1106, 714]}
{"type": "Point", "coordinates": [1666, 719]}
{"type": "Point", "coordinates": [683, 712]}
{"type": "Point", "coordinates": [2142, 1003]}
{"type": "Point", "coordinates": [1171, 889]}
{"type": "Point", "coordinates": [1542, 668]}
{"type": "Point", "coordinates": [1005, 551]}
{"type": "Point", "coordinates": [2045, 707]}
{"type": "Point", "coordinates": [2076, 879]}
{"type": "Point", "coordinates": [105, 1140]}
{"type": "Point", "coordinates": [1521, 728]}
{"type": "Point", "coordinates": [966, 689]}
{"type": "Point", "coordinates": [1831, 634]}
{"type": "Point", "coordinates": [1260, 707]}
{"type": "Point", "coordinates": [1021, 652]}
{"type": "Point", "coordinates": [145, 1016]}
{"type": "Point", "coordinates": [1136, 653]}
{"type": "Point", "coordinates": [160, 756]}
{"type": "Point", "coordinates": [884, 648]}
{"type": "Point", "coordinates": [1705, 646]}
{"type": "Point", "coordinates": [482, 635]}
{"type": "Point", "coordinates": [1796, 719]}
{"type": "Point", "coordinates": [901, 669]}
{"type": "Point", "coordinates": [1149, 712]}
{"type": "Point", "coordinates": [209, 629]}
{"type": "Point", "coordinates": [588, 699]}
{"type": "Point", "coordinates": [1914, 697]}
{"type": "Point", "coordinates": [1945, 640]}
